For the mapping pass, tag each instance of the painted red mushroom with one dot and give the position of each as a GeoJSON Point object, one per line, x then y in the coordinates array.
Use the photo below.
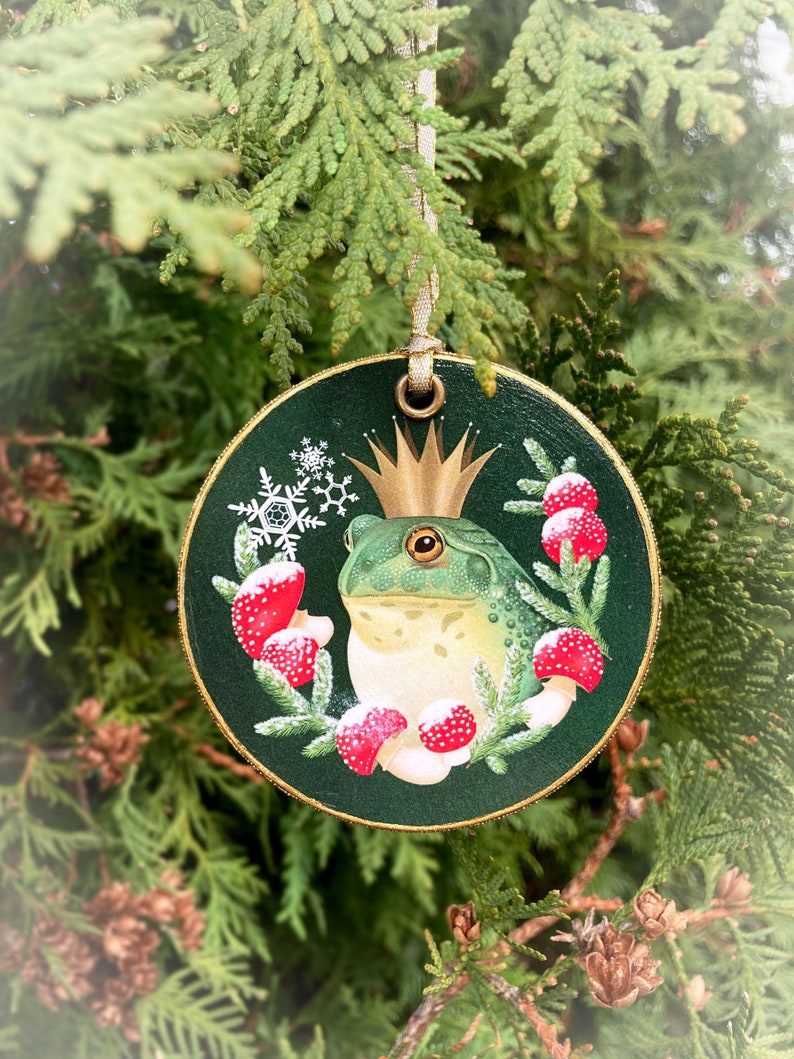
{"type": "Point", "coordinates": [265, 603]}
{"type": "Point", "coordinates": [569, 490]}
{"type": "Point", "coordinates": [571, 653]}
{"type": "Point", "coordinates": [584, 529]}
{"type": "Point", "coordinates": [269, 627]}
{"type": "Point", "coordinates": [294, 654]}
{"type": "Point", "coordinates": [565, 659]}
{"type": "Point", "coordinates": [447, 727]}
{"type": "Point", "coordinates": [361, 733]}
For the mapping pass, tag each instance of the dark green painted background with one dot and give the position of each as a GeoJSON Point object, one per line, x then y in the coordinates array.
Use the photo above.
{"type": "Point", "coordinates": [338, 407]}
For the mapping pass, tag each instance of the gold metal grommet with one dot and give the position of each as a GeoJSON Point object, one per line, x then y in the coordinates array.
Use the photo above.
{"type": "Point", "coordinates": [426, 407]}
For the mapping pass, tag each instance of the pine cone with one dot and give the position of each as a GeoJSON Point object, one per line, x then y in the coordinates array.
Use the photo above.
{"type": "Point", "coordinates": [613, 942]}
{"type": "Point", "coordinates": [114, 899]}
{"type": "Point", "coordinates": [584, 932]}
{"type": "Point", "coordinates": [159, 905]}
{"type": "Point", "coordinates": [118, 990]}
{"type": "Point", "coordinates": [620, 969]}
{"type": "Point", "coordinates": [632, 734]}
{"type": "Point", "coordinates": [127, 940]}
{"type": "Point", "coordinates": [657, 916]}
{"type": "Point", "coordinates": [40, 478]}
{"type": "Point", "coordinates": [172, 878]}
{"type": "Point", "coordinates": [610, 980]}
{"type": "Point", "coordinates": [76, 958]}
{"type": "Point", "coordinates": [36, 972]}
{"type": "Point", "coordinates": [142, 977]}
{"type": "Point", "coordinates": [12, 507]}
{"type": "Point", "coordinates": [108, 970]}
{"type": "Point", "coordinates": [464, 923]}
{"type": "Point", "coordinates": [88, 712]}
{"type": "Point", "coordinates": [114, 1007]}
{"type": "Point", "coordinates": [734, 888]}
{"type": "Point", "coordinates": [191, 930]}
{"type": "Point", "coordinates": [112, 746]}
{"type": "Point", "coordinates": [107, 1015]}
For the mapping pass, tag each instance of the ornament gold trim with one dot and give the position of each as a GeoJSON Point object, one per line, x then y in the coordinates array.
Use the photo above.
{"type": "Point", "coordinates": [653, 563]}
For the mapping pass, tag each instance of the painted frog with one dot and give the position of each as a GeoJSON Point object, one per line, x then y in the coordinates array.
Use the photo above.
{"type": "Point", "coordinates": [426, 597]}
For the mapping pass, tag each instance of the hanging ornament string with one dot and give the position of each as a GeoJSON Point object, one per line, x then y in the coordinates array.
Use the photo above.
{"type": "Point", "coordinates": [420, 381]}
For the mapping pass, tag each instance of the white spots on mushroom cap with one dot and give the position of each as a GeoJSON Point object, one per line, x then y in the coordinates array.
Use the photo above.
{"type": "Point", "coordinates": [446, 724]}
{"type": "Point", "coordinates": [571, 653]}
{"type": "Point", "coordinates": [440, 711]}
{"type": "Point", "coordinates": [569, 490]}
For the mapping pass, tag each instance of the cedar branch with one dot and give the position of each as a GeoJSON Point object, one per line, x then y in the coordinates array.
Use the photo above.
{"type": "Point", "coordinates": [626, 808]}
{"type": "Point", "coordinates": [545, 1031]}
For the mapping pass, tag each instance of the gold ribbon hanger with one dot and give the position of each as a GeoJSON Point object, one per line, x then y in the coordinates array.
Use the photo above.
{"type": "Point", "coordinates": [420, 382]}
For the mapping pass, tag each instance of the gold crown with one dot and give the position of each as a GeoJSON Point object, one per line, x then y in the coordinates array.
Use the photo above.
{"type": "Point", "coordinates": [412, 484]}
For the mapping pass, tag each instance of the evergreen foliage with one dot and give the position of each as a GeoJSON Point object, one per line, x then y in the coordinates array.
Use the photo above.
{"type": "Point", "coordinates": [185, 141]}
{"type": "Point", "coordinates": [505, 732]}
{"type": "Point", "coordinates": [75, 145]}
{"type": "Point", "coordinates": [567, 77]}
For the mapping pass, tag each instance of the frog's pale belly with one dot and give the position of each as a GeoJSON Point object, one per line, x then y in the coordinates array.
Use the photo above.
{"type": "Point", "coordinates": [407, 653]}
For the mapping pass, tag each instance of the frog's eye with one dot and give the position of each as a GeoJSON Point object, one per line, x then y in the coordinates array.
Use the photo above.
{"type": "Point", "coordinates": [424, 544]}
{"type": "Point", "coordinates": [348, 540]}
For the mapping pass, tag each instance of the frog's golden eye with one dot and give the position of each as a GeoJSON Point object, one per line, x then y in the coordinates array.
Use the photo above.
{"type": "Point", "coordinates": [348, 540]}
{"type": "Point", "coordinates": [424, 544]}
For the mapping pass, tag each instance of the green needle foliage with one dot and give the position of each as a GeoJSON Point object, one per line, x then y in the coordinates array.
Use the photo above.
{"type": "Point", "coordinates": [187, 183]}
{"type": "Point", "coordinates": [505, 732]}
{"type": "Point", "coordinates": [80, 138]}
{"type": "Point", "coordinates": [567, 77]}
{"type": "Point", "coordinates": [318, 110]}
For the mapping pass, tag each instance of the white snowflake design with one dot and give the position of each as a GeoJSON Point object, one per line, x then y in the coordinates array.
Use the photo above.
{"type": "Point", "coordinates": [335, 493]}
{"type": "Point", "coordinates": [281, 515]}
{"type": "Point", "coordinates": [311, 458]}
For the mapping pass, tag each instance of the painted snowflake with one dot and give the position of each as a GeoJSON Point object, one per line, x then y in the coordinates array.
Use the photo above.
{"type": "Point", "coordinates": [311, 459]}
{"type": "Point", "coordinates": [282, 514]}
{"type": "Point", "coordinates": [336, 493]}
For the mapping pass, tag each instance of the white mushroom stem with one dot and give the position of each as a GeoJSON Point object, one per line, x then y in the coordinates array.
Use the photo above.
{"type": "Point", "coordinates": [551, 704]}
{"type": "Point", "coordinates": [414, 764]}
{"type": "Point", "coordinates": [319, 627]}
{"type": "Point", "coordinates": [458, 757]}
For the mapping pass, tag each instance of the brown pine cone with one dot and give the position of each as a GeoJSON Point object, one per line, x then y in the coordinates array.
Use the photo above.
{"type": "Point", "coordinates": [620, 969]}
{"type": "Point", "coordinates": [734, 888]}
{"type": "Point", "coordinates": [657, 916]}
{"type": "Point", "coordinates": [464, 923]}
{"type": "Point", "coordinates": [112, 746]}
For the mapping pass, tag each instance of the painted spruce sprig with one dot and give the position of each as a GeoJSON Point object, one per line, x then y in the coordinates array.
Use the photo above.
{"type": "Point", "coordinates": [534, 488]}
{"type": "Point", "coordinates": [570, 581]}
{"type": "Point", "coordinates": [246, 561]}
{"type": "Point", "coordinates": [301, 716]}
{"type": "Point", "coordinates": [503, 707]}
{"type": "Point", "coordinates": [246, 554]}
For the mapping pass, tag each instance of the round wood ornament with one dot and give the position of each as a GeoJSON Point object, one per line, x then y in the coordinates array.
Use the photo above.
{"type": "Point", "coordinates": [419, 624]}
